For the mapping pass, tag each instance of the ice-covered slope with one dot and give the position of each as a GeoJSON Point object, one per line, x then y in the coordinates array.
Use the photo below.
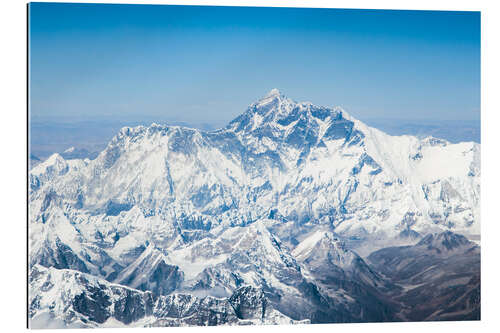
{"type": "Point", "coordinates": [70, 299]}
{"type": "Point", "coordinates": [250, 256]}
{"type": "Point", "coordinates": [152, 272]}
{"type": "Point", "coordinates": [356, 288]}
{"type": "Point", "coordinates": [173, 201]}
{"type": "Point", "coordinates": [310, 163]}
{"type": "Point", "coordinates": [326, 256]}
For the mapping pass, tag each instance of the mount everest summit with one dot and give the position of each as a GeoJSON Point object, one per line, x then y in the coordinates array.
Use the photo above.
{"type": "Point", "coordinates": [292, 213]}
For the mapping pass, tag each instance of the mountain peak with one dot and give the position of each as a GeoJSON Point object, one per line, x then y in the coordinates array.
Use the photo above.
{"type": "Point", "coordinates": [446, 241]}
{"type": "Point", "coordinates": [299, 124]}
{"type": "Point", "coordinates": [275, 92]}
{"type": "Point", "coordinates": [324, 246]}
{"type": "Point", "coordinates": [273, 96]}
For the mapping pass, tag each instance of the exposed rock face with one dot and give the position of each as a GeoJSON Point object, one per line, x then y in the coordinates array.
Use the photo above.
{"type": "Point", "coordinates": [268, 220]}
{"type": "Point", "coordinates": [79, 299]}
{"type": "Point", "coordinates": [249, 303]}
{"type": "Point", "coordinates": [440, 275]}
{"type": "Point", "coordinates": [151, 272]}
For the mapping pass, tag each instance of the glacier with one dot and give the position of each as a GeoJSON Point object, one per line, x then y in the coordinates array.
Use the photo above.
{"type": "Point", "coordinates": [302, 211]}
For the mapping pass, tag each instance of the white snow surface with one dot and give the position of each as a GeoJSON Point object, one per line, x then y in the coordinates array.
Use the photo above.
{"type": "Point", "coordinates": [204, 196]}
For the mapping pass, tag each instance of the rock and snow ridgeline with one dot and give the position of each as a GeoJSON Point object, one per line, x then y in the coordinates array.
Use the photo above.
{"type": "Point", "coordinates": [285, 198]}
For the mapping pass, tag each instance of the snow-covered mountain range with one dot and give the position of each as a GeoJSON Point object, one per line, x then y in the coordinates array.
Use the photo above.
{"type": "Point", "coordinates": [280, 210]}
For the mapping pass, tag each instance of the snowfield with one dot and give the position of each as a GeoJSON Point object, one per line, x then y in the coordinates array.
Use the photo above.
{"type": "Point", "coordinates": [289, 199]}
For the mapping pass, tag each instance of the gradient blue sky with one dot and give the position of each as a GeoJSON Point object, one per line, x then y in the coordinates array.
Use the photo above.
{"type": "Point", "coordinates": [207, 64]}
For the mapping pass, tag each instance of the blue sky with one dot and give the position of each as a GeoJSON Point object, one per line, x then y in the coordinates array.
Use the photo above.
{"type": "Point", "coordinates": [207, 64]}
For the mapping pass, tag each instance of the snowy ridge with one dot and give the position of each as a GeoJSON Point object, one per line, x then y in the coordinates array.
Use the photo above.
{"type": "Point", "coordinates": [289, 198]}
{"type": "Point", "coordinates": [324, 242]}
{"type": "Point", "coordinates": [67, 298]}
{"type": "Point", "coordinates": [151, 271]}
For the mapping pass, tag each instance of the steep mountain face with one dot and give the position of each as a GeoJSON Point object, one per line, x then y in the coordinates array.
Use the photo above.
{"type": "Point", "coordinates": [286, 198]}
{"type": "Point", "coordinates": [67, 298]}
{"type": "Point", "coordinates": [345, 277]}
{"type": "Point", "coordinates": [327, 257]}
{"type": "Point", "coordinates": [151, 272]}
{"type": "Point", "coordinates": [243, 256]}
